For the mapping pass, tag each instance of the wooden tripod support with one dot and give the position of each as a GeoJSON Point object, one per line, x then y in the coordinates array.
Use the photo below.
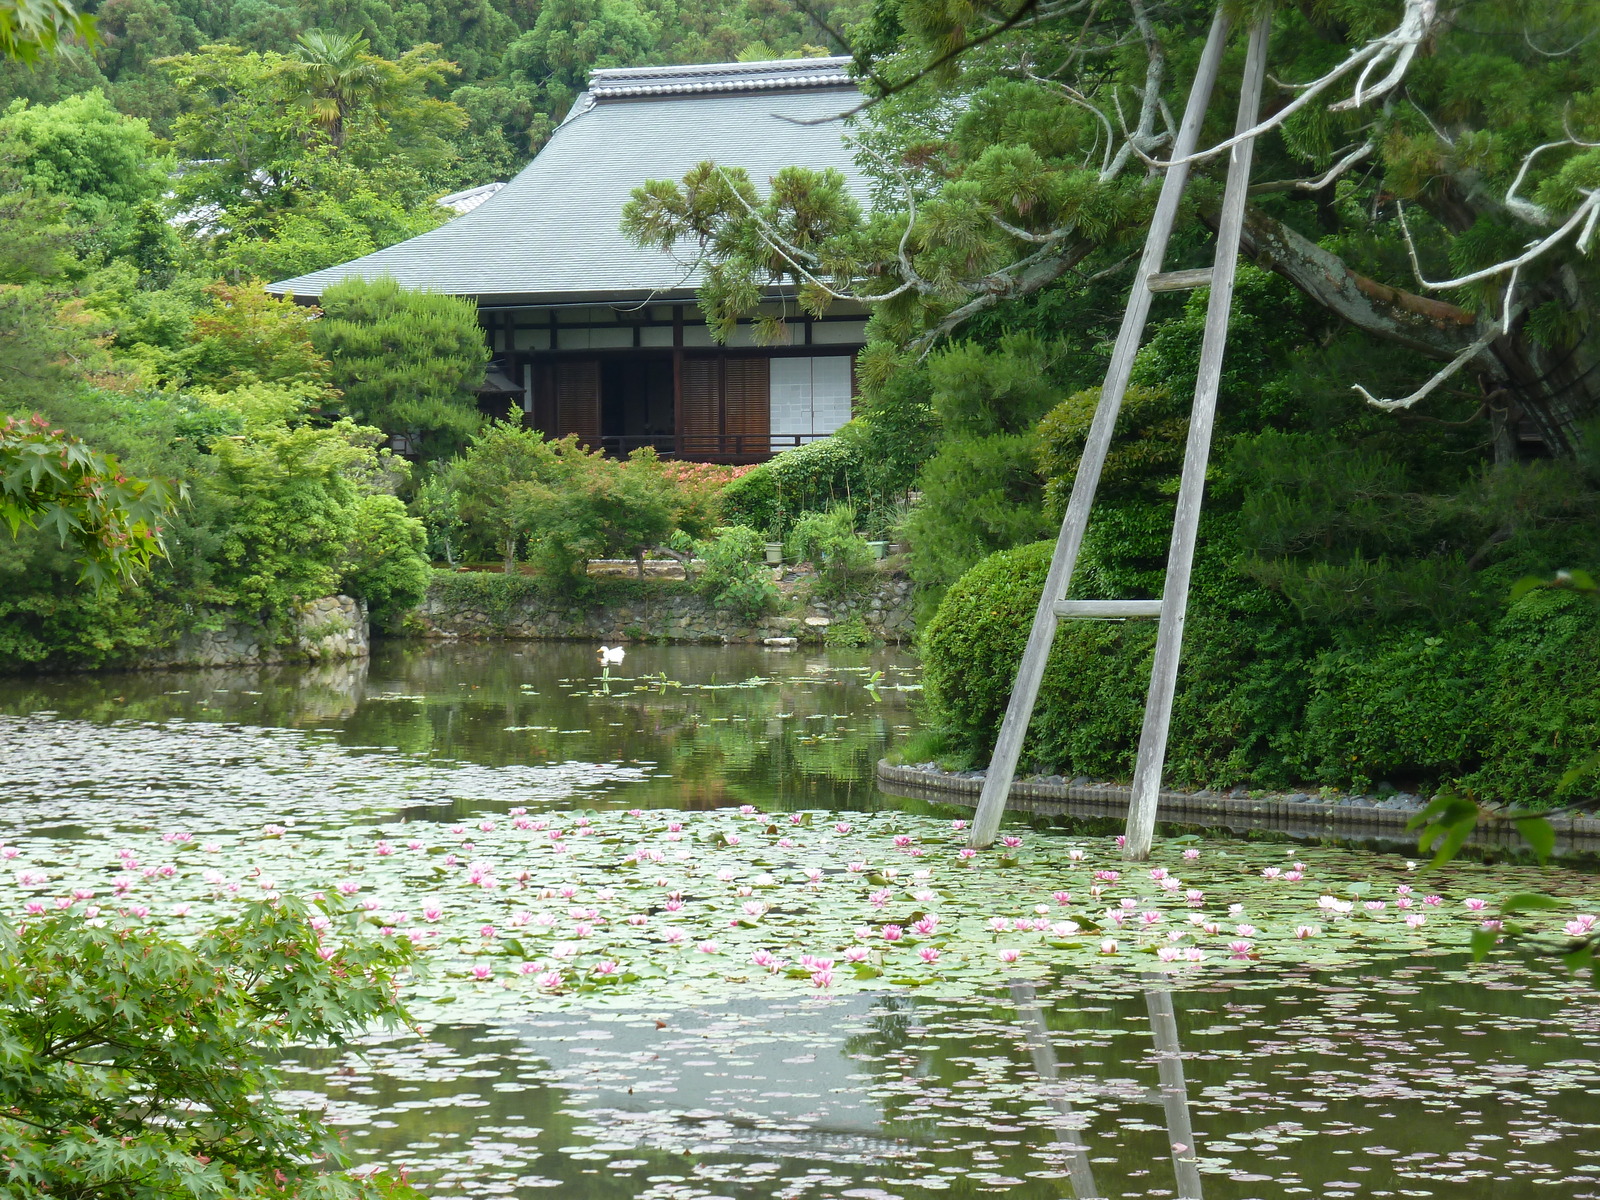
{"type": "Point", "coordinates": [1173, 605]}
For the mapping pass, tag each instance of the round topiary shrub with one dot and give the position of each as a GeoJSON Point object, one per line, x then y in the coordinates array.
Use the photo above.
{"type": "Point", "coordinates": [1242, 688]}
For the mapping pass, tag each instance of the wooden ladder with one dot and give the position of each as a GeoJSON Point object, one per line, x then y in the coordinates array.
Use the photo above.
{"type": "Point", "coordinates": [1173, 606]}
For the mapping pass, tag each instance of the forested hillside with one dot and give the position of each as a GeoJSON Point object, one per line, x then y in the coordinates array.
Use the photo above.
{"type": "Point", "coordinates": [511, 66]}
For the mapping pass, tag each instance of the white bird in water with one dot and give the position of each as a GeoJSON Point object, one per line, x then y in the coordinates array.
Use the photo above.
{"type": "Point", "coordinates": [611, 654]}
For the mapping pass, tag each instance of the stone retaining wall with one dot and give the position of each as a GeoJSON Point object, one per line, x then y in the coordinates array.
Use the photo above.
{"type": "Point", "coordinates": [1296, 814]}
{"type": "Point", "coordinates": [674, 615]}
{"type": "Point", "coordinates": [327, 630]}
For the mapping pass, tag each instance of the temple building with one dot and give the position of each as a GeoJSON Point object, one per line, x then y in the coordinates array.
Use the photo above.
{"type": "Point", "coordinates": [595, 336]}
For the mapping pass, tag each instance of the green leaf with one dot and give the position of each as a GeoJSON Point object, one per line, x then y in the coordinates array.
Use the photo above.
{"type": "Point", "coordinates": [1540, 836]}
{"type": "Point", "coordinates": [1483, 941]}
{"type": "Point", "coordinates": [1531, 902]}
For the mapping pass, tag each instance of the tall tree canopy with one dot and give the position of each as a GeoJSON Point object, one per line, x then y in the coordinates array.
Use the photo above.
{"type": "Point", "coordinates": [1427, 176]}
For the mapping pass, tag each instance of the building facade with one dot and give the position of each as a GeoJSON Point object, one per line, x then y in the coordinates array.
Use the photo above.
{"type": "Point", "coordinates": [594, 336]}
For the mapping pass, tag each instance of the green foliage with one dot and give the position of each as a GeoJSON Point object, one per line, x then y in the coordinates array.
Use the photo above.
{"type": "Point", "coordinates": [980, 489]}
{"type": "Point", "coordinates": [1147, 452]}
{"type": "Point", "coordinates": [733, 576]}
{"type": "Point", "coordinates": [51, 480]}
{"type": "Point", "coordinates": [295, 504]}
{"type": "Point", "coordinates": [31, 28]}
{"type": "Point", "coordinates": [106, 164]}
{"type": "Point", "coordinates": [513, 493]}
{"type": "Point", "coordinates": [408, 362]}
{"type": "Point", "coordinates": [807, 479]}
{"type": "Point", "coordinates": [496, 595]}
{"type": "Point", "coordinates": [138, 1065]}
{"type": "Point", "coordinates": [386, 563]}
{"type": "Point", "coordinates": [979, 495]}
{"type": "Point", "coordinates": [497, 484]}
{"type": "Point", "coordinates": [247, 336]}
{"type": "Point", "coordinates": [839, 555]}
{"type": "Point", "coordinates": [1505, 712]}
{"type": "Point", "coordinates": [848, 632]}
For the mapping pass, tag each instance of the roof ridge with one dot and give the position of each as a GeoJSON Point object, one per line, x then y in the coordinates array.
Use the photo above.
{"type": "Point", "coordinates": [701, 78]}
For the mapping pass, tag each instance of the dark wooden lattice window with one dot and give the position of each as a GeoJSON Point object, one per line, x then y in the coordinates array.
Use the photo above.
{"type": "Point", "coordinates": [578, 400]}
{"type": "Point", "coordinates": [746, 419]}
{"type": "Point", "coordinates": [700, 407]}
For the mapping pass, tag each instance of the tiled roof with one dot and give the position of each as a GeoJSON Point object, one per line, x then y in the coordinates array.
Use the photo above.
{"type": "Point", "coordinates": [466, 201]}
{"type": "Point", "coordinates": [783, 74]}
{"type": "Point", "coordinates": [551, 235]}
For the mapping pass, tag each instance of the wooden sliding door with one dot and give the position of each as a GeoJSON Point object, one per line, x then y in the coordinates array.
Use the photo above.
{"type": "Point", "coordinates": [577, 389]}
{"type": "Point", "coordinates": [724, 407]}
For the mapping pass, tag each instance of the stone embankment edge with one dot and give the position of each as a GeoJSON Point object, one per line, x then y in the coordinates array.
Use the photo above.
{"type": "Point", "coordinates": [1575, 836]}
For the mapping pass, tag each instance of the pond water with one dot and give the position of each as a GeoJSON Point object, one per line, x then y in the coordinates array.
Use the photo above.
{"type": "Point", "coordinates": [655, 906]}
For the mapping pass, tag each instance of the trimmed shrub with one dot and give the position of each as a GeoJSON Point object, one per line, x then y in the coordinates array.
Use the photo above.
{"type": "Point", "coordinates": [809, 478]}
{"type": "Point", "coordinates": [1265, 699]}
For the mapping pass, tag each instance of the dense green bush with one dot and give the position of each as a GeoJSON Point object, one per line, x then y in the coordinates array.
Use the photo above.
{"type": "Point", "coordinates": [1267, 699]}
{"type": "Point", "coordinates": [981, 489]}
{"type": "Point", "coordinates": [809, 478]}
{"type": "Point", "coordinates": [732, 575]}
{"type": "Point", "coordinates": [829, 542]}
{"type": "Point", "coordinates": [386, 564]}
{"type": "Point", "coordinates": [408, 362]}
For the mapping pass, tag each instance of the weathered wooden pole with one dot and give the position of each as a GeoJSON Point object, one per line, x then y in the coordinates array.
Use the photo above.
{"type": "Point", "coordinates": [1196, 454]}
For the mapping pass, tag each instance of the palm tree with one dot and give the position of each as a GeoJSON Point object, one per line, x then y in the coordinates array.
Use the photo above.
{"type": "Point", "coordinates": [336, 75]}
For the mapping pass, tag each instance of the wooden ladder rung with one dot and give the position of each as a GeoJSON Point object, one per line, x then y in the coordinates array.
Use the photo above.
{"type": "Point", "coordinates": [1180, 281]}
{"type": "Point", "coordinates": [1107, 608]}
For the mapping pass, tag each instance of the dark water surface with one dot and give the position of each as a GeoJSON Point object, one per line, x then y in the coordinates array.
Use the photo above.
{"type": "Point", "coordinates": [1413, 1076]}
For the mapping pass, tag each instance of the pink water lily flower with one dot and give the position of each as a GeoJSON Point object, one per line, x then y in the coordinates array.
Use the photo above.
{"type": "Point", "coordinates": [928, 954]}
{"type": "Point", "coordinates": [855, 954]}
{"type": "Point", "coordinates": [1239, 949]}
{"type": "Point", "coordinates": [1010, 954]}
{"type": "Point", "coordinates": [482, 972]}
{"type": "Point", "coordinates": [893, 933]}
{"type": "Point", "coordinates": [1473, 904]}
{"type": "Point", "coordinates": [1109, 946]}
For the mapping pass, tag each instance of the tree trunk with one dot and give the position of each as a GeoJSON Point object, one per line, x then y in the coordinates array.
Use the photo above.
{"type": "Point", "coordinates": [1558, 391]}
{"type": "Point", "coordinates": [511, 556]}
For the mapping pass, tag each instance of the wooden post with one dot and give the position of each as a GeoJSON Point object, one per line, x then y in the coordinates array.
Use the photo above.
{"type": "Point", "coordinates": [1174, 1089]}
{"type": "Point", "coordinates": [1014, 728]}
{"type": "Point", "coordinates": [1196, 453]}
{"type": "Point", "coordinates": [677, 381]}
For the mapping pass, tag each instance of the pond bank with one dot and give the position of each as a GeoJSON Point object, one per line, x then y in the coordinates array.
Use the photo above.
{"type": "Point", "coordinates": [1298, 815]}
{"type": "Point", "coordinates": [491, 605]}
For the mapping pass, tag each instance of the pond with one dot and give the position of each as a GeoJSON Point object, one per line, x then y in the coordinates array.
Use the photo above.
{"type": "Point", "coordinates": [675, 944]}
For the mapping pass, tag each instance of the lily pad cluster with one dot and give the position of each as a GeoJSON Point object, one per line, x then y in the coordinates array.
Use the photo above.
{"type": "Point", "coordinates": [643, 905]}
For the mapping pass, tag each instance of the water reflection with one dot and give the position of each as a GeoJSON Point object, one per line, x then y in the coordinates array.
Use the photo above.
{"type": "Point", "coordinates": [1172, 1095]}
{"type": "Point", "coordinates": [1418, 1086]}
{"type": "Point", "coordinates": [706, 727]}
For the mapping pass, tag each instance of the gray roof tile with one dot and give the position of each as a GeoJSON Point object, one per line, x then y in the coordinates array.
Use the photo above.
{"type": "Point", "coordinates": [551, 235]}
